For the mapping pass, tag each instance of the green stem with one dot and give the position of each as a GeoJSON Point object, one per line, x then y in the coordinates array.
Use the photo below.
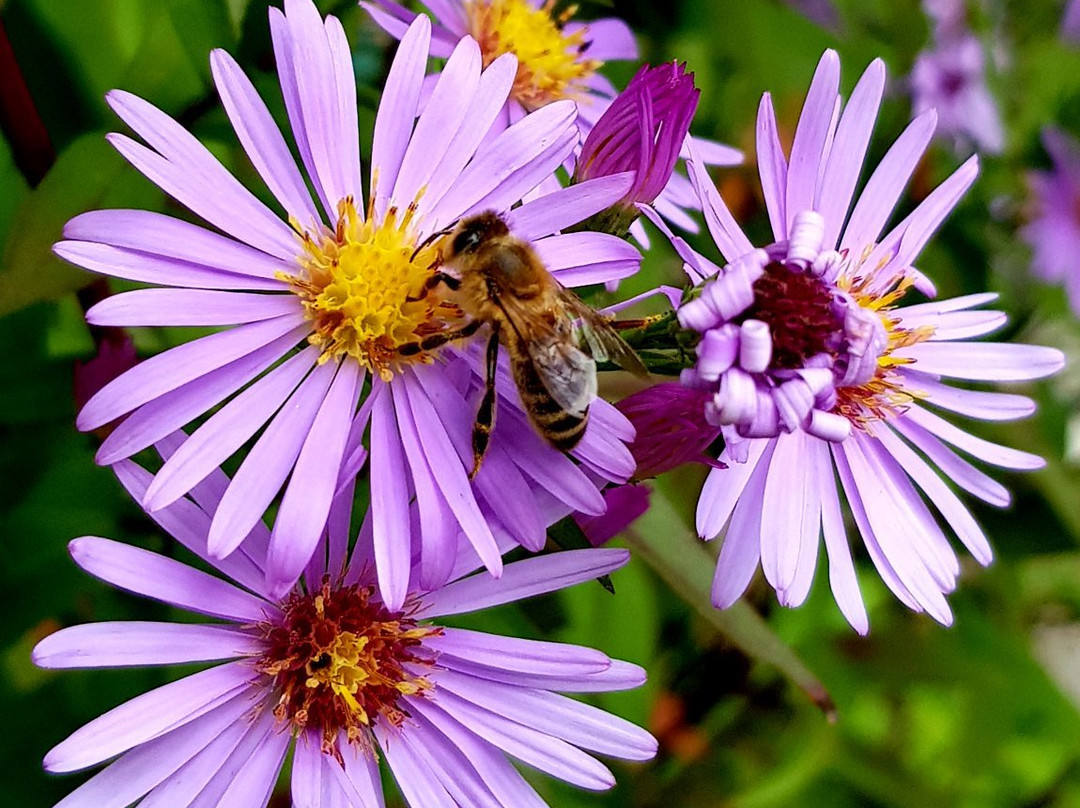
{"type": "Point", "coordinates": [680, 559]}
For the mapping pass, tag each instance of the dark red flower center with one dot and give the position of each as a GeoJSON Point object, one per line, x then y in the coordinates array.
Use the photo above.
{"type": "Point", "coordinates": [797, 307]}
{"type": "Point", "coordinates": [339, 661]}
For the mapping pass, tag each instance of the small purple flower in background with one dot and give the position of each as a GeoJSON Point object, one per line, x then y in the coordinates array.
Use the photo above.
{"type": "Point", "coordinates": [1070, 22]}
{"type": "Point", "coordinates": [816, 370]}
{"type": "Point", "coordinates": [950, 77]}
{"type": "Point", "coordinates": [557, 59]}
{"type": "Point", "coordinates": [1054, 227]}
{"type": "Point", "coordinates": [643, 131]}
{"type": "Point", "coordinates": [332, 671]}
{"type": "Point", "coordinates": [346, 280]}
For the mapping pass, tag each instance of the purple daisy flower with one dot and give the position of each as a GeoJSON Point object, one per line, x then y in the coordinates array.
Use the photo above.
{"type": "Point", "coordinates": [337, 674]}
{"type": "Point", "coordinates": [1054, 227]}
{"type": "Point", "coordinates": [814, 370]}
{"type": "Point", "coordinates": [344, 282]}
{"type": "Point", "coordinates": [950, 77]}
{"type": "Point", "coordinates": [557, 59]}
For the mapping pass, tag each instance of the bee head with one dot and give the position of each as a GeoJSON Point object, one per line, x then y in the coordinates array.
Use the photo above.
{"type": "Point", "coordinates": [475, 230]}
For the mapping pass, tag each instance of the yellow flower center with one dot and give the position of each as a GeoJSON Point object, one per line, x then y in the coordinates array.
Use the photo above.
{"type": "Point", "coordinates": [885, 395]}
{"type": "Point", "coordinates": [551, 64]}
{"type": "Point", "coordinates": [362, 287]}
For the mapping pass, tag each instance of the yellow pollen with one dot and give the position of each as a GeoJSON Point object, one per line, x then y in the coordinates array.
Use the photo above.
{"type": "Point", "coordinates": [362, 288]}
{"type": "Point", "coordinates": [885, 395]}
{"type": "Point", "coordinates": [551, 63]}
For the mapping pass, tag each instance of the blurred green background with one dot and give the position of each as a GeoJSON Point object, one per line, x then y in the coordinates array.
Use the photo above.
{"type": "Point", "coordinates": [982, 714]}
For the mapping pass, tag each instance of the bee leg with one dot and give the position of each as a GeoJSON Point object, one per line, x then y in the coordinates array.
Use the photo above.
{"type": "Point", "coordinates": [451, 282]}
{"type": "Point", "coordinates": [485, 415]}
{"type": "Point", "coordinates": [439, 339]}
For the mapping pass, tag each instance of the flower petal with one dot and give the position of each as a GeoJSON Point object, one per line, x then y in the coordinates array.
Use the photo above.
{"type": "Point", "coordinates": [522, 579]}
{"type": "Point", "coordinates": [127, 643]}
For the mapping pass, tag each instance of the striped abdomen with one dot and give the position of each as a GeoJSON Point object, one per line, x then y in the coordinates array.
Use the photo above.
{"type": "Point", "coordinates": [560, 428]}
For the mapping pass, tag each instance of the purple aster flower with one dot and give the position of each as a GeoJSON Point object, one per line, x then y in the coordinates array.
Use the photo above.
{"type": "Point", "coordinates": [950, 77]}
{"type": "Point", "coordinates": [1054, 227]}
{"type": "Point", "coordinates": [338, 675]}
{"type": "Point", "coordinates": [316, 309]}
{"type": "Point", "coordinates": [557, 59]}
{"type": "Point", "coordinates": [641, 131]}
{"type": "Point", "coordinates": [817, 371]}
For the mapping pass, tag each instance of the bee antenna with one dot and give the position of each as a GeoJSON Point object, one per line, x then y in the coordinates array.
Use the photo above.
{"type": "Point", "coordinates": [426, 242]}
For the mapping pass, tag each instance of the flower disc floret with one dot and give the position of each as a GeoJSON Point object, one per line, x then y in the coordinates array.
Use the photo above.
{"type": "Point", "coordinates": [551, 62]}
{"type": "Point", "coordinates": [363, 289]}
{"type": "Point", "coordinates": [339, 659]}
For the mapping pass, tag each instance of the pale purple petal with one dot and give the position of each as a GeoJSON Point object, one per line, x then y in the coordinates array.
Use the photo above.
{"type": "Point", "coordinates": [620, 676]}
{"type": "Point", "coordinates": [512, 164]}
{"type": "Point", "coordinates": [158, 235]}
{"type": "Point", "coordinates": [143, 717]}
{"type": "Point", "coordinates": [958, 325]}
{"type": "Point", "coordinates": [513, 654]}
{"type": "Point", "coordinates": [146, 268]}
{"type": "Point", "coordinates": [608, 38]}
{"type": "Point", "coordinates": [306, 503]}
{"type": "Point", "coordinates": [190, 174]}
{"type": "Point", "coordinates": [414, 778]}
{"type": "Point", "coordinates": [984, 361]}
{"type": "Point", "coordinates": [741, 551]}
{"type": "Point", "coordinates": [180, 307]}
{"type": "Point", "coordinates": [397, 110]}
{"type": "Point", "coordinates": [842, 579]}
{"type": "Point", "coordinates": [574, 722]}
{"type": "Point", "coordinates": [157, 419]}
{"type": "Point", "coordinates": [154, 576]}
{"type": "Point", "coordinates": [261, 138]}
{"type": "Point", "coordinates": [498, 774]}
{"type": "Point", "coordinates": [883, 189]}
{"type": "Point", "coordinates": [984, 450]}
{"type": "Point", "coordinates": [789, 510]}
{"type": "Point", "coordinates": [722, 490]}
{"type": "Point", "coordinates": [157, 760]}
{"type": "Point", "coordinates": [487, 104]}
{"type": "Point", "coordinates": [252, 785]}
{"type": "Point", "coordinates": [188, 524]}
{"type": "Point", "coordinates": [950, 506]}
{"type": "Point", "coordinates": [580, 259]}
{"type": "Point", "coordinates": [389, 503]}
{"type": "Point", "coordinates": [449, 473]}
{"type": "Point", "coordinates": [567, 206]}
{"type": "Point", "coordinates": [726, 233]}
{"type": "Point", "coordinates": [227, 430]}
{"type": "Point", "coordinates": [772, 168]}
{"type": "Point", "coordinates": [812, 131]}
{"type": "Point", "coordinates": [445, 113]}
{"type": "Point", "coordinates": [522, 579]}
{"type": "Point", "coordinates": [129, 643]}
{"type": "Point", "coordinates": [848, 151]}
{"type": "Point", "coordinates": [986, 406]}
{"type": "Point", "coordinates": [448, 764]}
{"type": "Point", "coordinates": [166, 371]}
{"type": "Point", "coordinates": [347, 153]}
{"type": "Point", "coordinates": [557, 758]}
{"type": "Point", "coordinates": [268, 464]}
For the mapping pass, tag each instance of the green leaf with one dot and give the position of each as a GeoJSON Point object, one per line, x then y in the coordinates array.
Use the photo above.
{"type": "Point", "coordinates": [675, 553]}
{"type": "Point", "coordinates": [29, 272]}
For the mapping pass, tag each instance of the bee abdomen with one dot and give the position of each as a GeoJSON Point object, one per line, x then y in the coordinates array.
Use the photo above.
{"type": "Point", "coordinates": [560, 428]}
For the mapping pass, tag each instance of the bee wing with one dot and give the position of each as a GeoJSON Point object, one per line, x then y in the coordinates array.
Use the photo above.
{"type": "Point", "coordinates": [603, 341]}
{"type": "Point", "coordinates": [568, 373]}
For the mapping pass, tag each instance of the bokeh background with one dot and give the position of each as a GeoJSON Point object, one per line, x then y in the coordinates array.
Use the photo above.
{"type": "Point", "coordinates": [791, 709]}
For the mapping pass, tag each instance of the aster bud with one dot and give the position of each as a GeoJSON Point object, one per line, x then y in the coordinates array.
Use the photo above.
{"type": "Point", "coordinates": [642, 131]}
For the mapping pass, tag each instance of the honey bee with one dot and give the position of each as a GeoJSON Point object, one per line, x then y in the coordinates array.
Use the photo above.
{"type": "Point", "coordinates": [552, 337]}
